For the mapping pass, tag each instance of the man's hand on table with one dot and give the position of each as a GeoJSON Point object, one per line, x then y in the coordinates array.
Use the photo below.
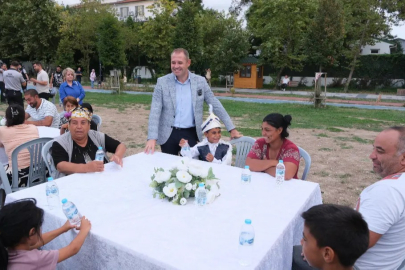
{"type": "Point", "coordinates": [150, 147]}
{"type": "Point", "coordinates": [95, 166]}
{"type": "Point", "coordinates": [117, 159]}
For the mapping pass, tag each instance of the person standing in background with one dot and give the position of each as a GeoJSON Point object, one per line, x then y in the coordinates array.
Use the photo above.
{"type": "Point", "coordinates": [42, 81]}
{"type": "Point", "coordinates": [56, 81]}
{"type": "Point", "coordinates": [3, 67]}
{"type": "Point", "coordinates": [13, 82]}
{"type": "Point", "coordinates": [24, 74]}
{"type": "Point", "coordinates": [93, 77]}
{"type": "Point", "coordinates": [79, 75]}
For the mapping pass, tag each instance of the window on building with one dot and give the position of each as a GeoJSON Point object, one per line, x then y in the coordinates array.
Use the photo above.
{"type": "Point", "coordinates": [124, 11]}
{"type": "Point", "coordinates": [259, 72]}
{"type": "Point", "coordinates": [375, 50]}
{"type": "Point", "coordinates": [141, 10]}
{"type": "Point", "coordinates": [245, 72]}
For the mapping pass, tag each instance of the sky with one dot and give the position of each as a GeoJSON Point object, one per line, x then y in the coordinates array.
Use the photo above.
{"type": "Point", "coordinates": [398, 31]}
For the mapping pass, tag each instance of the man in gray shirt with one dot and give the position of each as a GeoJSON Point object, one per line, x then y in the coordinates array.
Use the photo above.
{"type": "Point", "coordinates": [13, 81]}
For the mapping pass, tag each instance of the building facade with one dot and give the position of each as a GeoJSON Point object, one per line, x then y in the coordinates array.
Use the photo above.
{"type": "Point", "coordinates": [136, 9]}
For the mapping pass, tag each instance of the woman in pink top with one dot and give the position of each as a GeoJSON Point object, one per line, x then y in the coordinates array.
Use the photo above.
{"type": "Point", "coordinates": [15, 134]}
{"type": "Point", "coordinates": [21, 236]}
{"type": "Point", "coordinates": [274, 146]}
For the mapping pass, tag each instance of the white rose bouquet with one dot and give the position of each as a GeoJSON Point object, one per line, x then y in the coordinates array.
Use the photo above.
{"type": "Point", "coordinates": [178, 184]}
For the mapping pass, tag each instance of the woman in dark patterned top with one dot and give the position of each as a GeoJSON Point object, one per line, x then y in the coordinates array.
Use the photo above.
{"type": "Point", "coordinates": [274, 146]}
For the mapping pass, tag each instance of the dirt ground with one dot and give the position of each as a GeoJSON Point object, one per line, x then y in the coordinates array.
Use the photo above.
{"type": "Point", "coordinates": [340, 162]}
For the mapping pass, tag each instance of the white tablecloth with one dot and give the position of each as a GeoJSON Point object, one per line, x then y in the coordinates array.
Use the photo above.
{"type": "Point", "coordinates": [132, 230]}
{"type": "Point", "coordinates": [43, 132]}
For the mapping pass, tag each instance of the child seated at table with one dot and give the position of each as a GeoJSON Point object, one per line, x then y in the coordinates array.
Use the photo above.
{"type": "Point", "coordinates": [212, 148]}
{"type": "Point", "coordinates": [21, 236]}
{"type": "Point", "coordinates": [334, 237]}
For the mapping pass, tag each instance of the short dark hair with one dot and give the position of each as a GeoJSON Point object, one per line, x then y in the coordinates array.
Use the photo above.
{"type": "Point", "coordinates": [14, 63]}
{"type": "Point", "coordinates": [278, 120]}
{"type": "Point", "coordinates": [87, 106]}
{"type": "Point", "coordinates": [31, 92]}
{"type": "Point", "coordinates": [37, 63]}
{"type": "Point", "coordinates": [181, 50]}
{"type": "Point", "coordinates": [340, 228]}
{"type": "Point", "coordinates": [15, 115]}
{"type": "Point", "coordinates": [16, 221]}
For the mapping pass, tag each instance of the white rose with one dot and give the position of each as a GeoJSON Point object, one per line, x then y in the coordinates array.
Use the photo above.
{"type": "Point", "coordinates": [170, 190]}
{"type": "Point", "coordinates": [161, 177]}
{"type": "Point", "coordinates": [189, 186]}
{"type": "Point", "coordinates": [180, 165]}
{"type": "Point", "coordinates": [183, 201]}
{"type": "Point", "coordinates": [203, 173]}
{"type": "Point", "coordinates": [183, 176]}
{"type": "Point", "coordinates": [194, 186]}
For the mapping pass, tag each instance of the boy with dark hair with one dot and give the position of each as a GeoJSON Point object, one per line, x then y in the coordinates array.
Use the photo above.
{"type": "Point", "coordinates": [334, 237]}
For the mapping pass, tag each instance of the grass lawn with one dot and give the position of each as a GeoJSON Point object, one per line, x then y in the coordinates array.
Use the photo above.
{"type": "Point", "coordinates": [248, 116]}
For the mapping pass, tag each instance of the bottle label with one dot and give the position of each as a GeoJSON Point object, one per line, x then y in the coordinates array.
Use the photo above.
{"type": "Point", "coordinates": [245, 239]}
{"type": "Point", "coordinates": [100, 157]}
{"type": "Point", "coordinates": [245, 178]}
{"type": "Point", "coordinates": [54, 190]}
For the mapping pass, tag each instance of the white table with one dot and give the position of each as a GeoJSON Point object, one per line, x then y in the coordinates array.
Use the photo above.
{"type": "Point", "coordinates": [132, 230]}
{"type": "Point", "coordinates": [43, 133]}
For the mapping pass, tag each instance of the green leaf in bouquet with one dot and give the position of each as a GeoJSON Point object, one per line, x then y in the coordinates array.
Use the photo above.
{"type": "Point", "coordinates": [208, 187]}
{"type": "Point", "coordinates": [186, 194]}
{"type": "Point", "coordinates": [153, 184]}
{"type": "Point", "coordinates": [211, 174]}
{"type": "Point", "coordinates": [178, 184]}
{"type": "Point", "coordinates": [161, 169]}
{"type": "Point", "coordinates": [162, 195]}
{"type": "Point", "coordinates": [173, 172]}
{"type": "Point", "coordinates": [153, 177]}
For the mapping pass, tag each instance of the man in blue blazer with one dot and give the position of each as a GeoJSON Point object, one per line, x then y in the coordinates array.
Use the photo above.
{"type": "Point", "coordinates": [177, 107]}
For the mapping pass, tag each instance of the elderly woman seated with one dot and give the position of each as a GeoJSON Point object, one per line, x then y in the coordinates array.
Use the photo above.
{"type": "Point", "coordinates": [274, 146]}
{"type": "Point", "coordinates": [75, 151]}
{"type": "Point", "coordinates": [14, 134]}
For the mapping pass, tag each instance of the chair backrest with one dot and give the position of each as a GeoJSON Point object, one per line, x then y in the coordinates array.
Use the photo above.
{"type": "Point", "coordinates": [243, 146]}
{"type": "Point", "coordinates": [37, 167]}
{"type": "Point", "coordinates": [97, 119]}
{"type": "Point", "coordinates": [47, 157]}
{"type": "Point", "coordinates": [307, 158]}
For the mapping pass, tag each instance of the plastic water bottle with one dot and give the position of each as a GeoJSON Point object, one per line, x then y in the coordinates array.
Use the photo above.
{"type": "Point", "coordinates": [71, 212]}
{"type": "Point", "coordinates": [52, 193]}
{"type": "Point", "coordinates": [246, 176]}
{"type": "Point", "coordinates": [280, 172]}
{"type": "Point", "coordinates": [246, 240]}
{"type": "Point", "coordinates": [186, 150]}
{"type": "Point", "coordinates": [100, 154]}
{"type": "Point", "coordinates": [201, 195]}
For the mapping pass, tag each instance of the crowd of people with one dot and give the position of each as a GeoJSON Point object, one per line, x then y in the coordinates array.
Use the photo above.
{"type": "Point", "coordinates": [334, 237]}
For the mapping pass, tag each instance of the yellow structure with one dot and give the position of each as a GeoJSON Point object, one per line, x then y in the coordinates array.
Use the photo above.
{"type": "Point", "coordinates": [250, 75]}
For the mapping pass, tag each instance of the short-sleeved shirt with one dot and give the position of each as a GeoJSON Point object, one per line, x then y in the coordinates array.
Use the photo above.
{"type": "Point", "coordinates": [32, 259]}
{"type": "Point", "coordinates": [382, 206]}
{"type": "Point", "coordinates": [42, 76]}
{"type": "Point", "coordinates": [45, 109]}
{"type": "Point", "coordinates": [82, 155]}
{"type": "Point", "coordinates": [13, 79]}
{"type": "Point", "coordinates": [286, 80]}
{"type": "Point", "coordinates": [1, 75]}
{"type": "Point", "coordinates": [289, 152]}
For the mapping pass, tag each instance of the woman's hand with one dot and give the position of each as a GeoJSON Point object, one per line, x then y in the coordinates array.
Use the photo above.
{"type": "Point", "coordinates": [67, 226]}
{"type": "Point", "coordinates": [85, 224]}
{"type": "Point", "coordinates": [65, 126]}
{"type": "Point", "coordinates": [117, 160]}
{"type": "Point", "coordinates": [78, 99]}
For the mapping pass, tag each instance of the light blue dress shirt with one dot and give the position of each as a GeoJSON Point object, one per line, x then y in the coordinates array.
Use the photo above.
{"type": "Point", "coordinates": [184, 105]}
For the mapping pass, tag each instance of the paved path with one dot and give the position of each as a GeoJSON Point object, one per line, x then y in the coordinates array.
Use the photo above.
{"type": "Point", "coordinates": [278, 100]}
{"type": "Point", "coordinates": [301, 93]}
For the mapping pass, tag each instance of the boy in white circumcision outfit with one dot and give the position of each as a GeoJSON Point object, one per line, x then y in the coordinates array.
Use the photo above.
{"type": "Point", "coordinates": [212, 148]}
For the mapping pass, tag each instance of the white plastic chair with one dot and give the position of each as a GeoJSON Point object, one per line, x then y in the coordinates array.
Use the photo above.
{"type": "Point", "coordinates": [37, 169]}
{"type": "Point", "coordinates": [47, 157]}
{"type": "Point", "coordinates": [243, 146]}
{"type": "Point", "coordinates": [307, 158]}
{"type": "Point", "coordinates": [4, 186]}
{"type": "Point", "coordinates": [97, 119]}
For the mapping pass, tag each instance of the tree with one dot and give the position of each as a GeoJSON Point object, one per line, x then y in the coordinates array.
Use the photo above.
{"type": "Point", "coordinates": [282, 26]}
{"type": "Point", "coordinates": [29, 29]}
{"type": "Point", "coordinates": [324, 41]}
{"type": "Point", "coordinates": [157, 35]}
{"type": "Point", "coordinates": [110, 43]}
{"type": "Point", "coordinates": [365, 20]}
{"type": "Point", "coordinates": [187, 34]}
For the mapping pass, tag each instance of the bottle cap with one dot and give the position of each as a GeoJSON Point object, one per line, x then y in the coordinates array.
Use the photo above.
{"type": "Point", "coordinates": [248, 221]}
{"type": "Point", "coordinates": [201, 184]}
{"type": "Point", "coordinates": [100, 148]}
{"type": "Point", "coordinates": [64, 201]}
{"type": "Point", "coordinates": [280, 161]}
{"type": "Point", "coordinates": [50, 179]}
{"type": "Point", "coordinates": [246, 167]}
